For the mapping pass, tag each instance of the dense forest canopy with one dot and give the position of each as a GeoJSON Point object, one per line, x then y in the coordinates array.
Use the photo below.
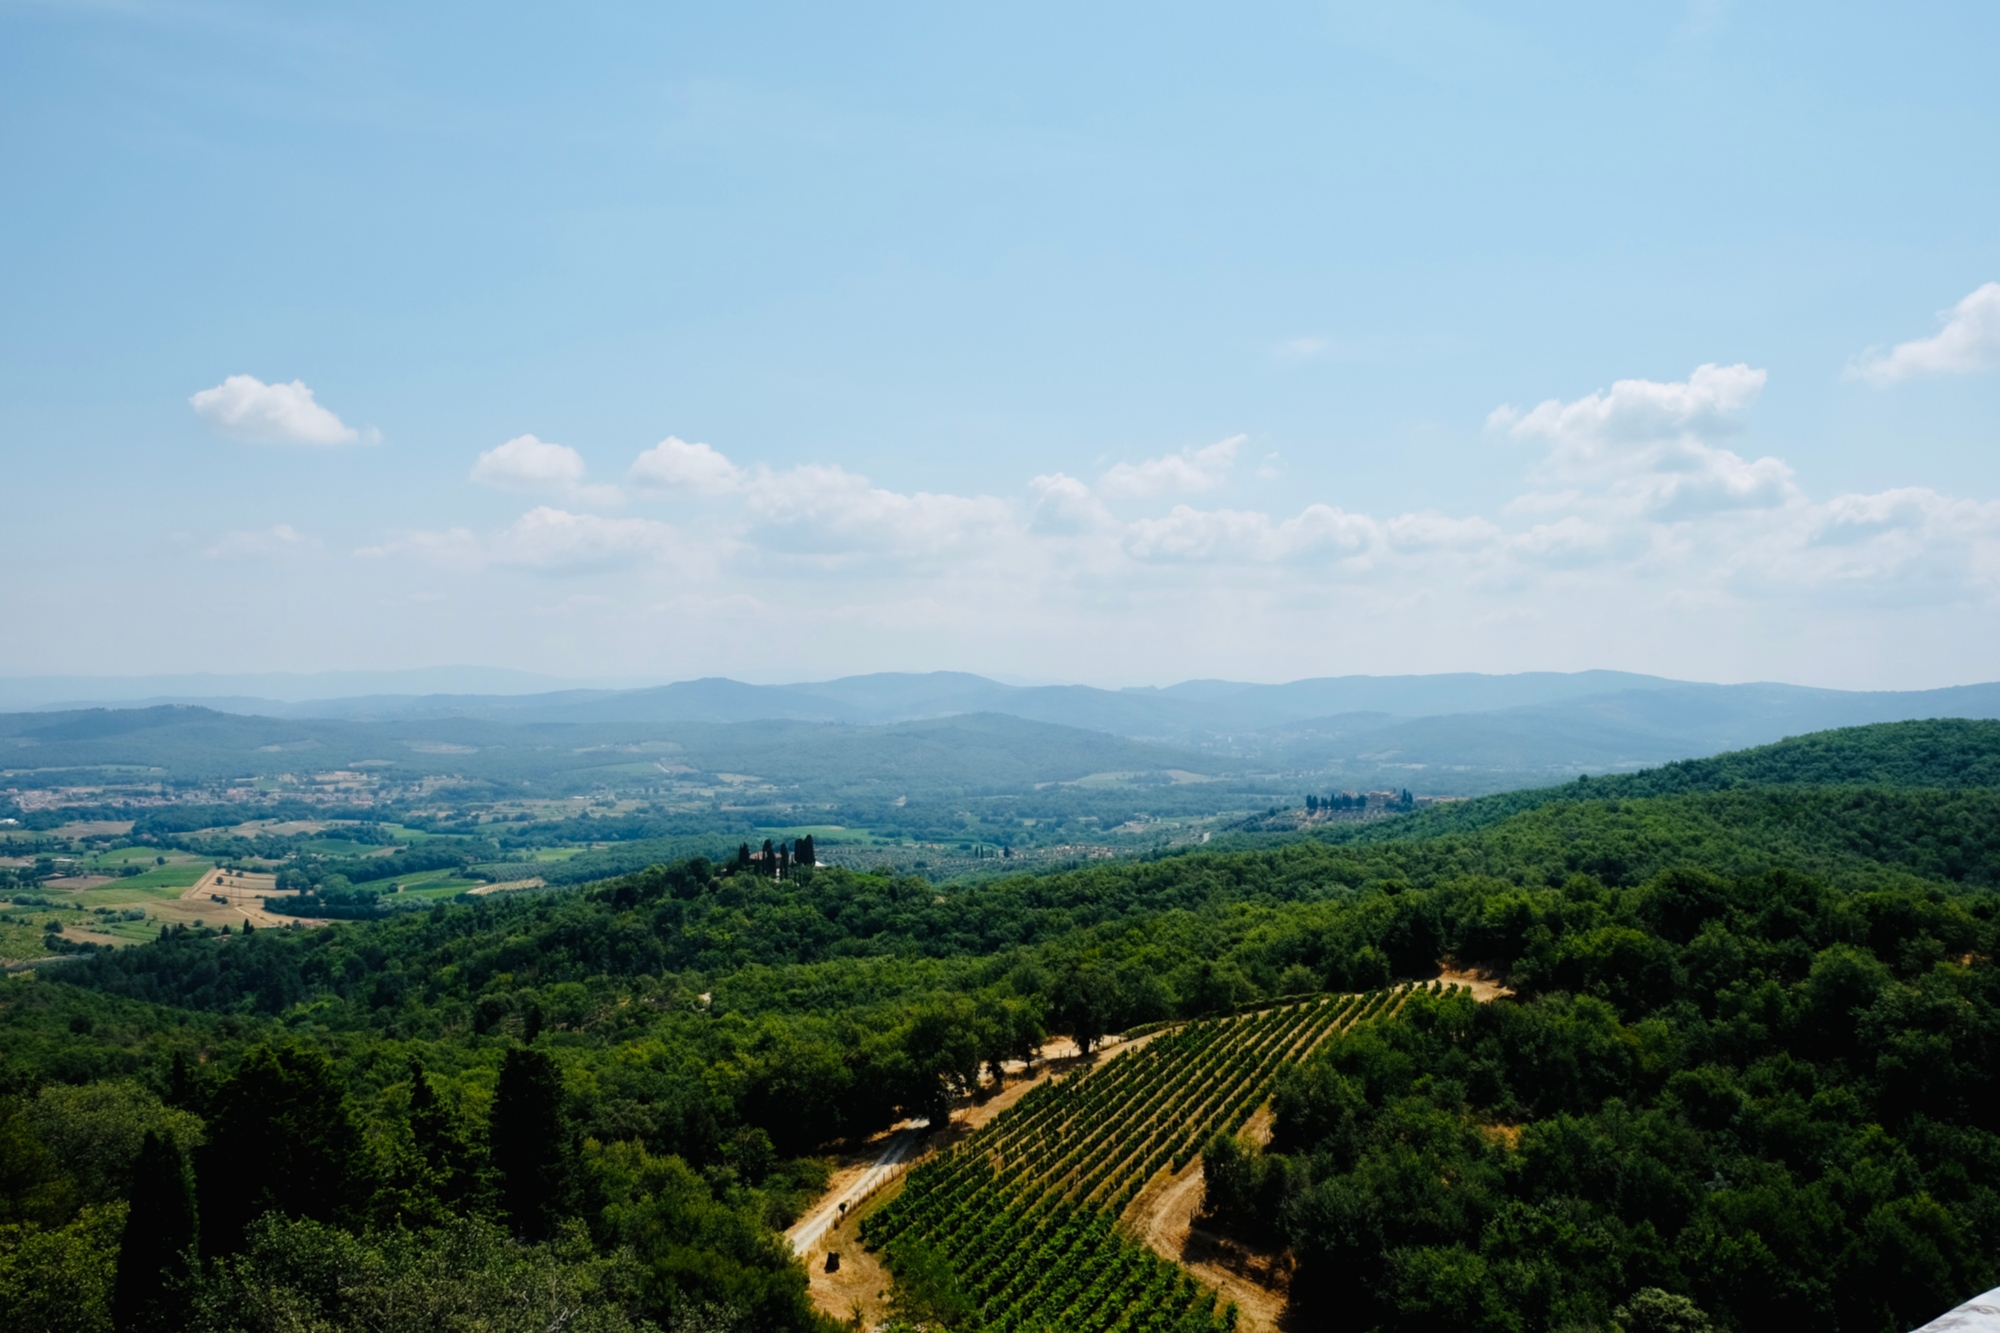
{"type": "Point", "coordinates": [1749, 1063]}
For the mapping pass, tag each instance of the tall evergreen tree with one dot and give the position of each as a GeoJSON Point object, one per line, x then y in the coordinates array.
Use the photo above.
{"type": "Point", "coordinates": [156, 1258]}
{"type": "Point", "coordinates": [529, 1143]}
{"type": "Point", "coordinates": [449, 1175]}
{"type": "Point", "coordinates": [182, 1091]}
{"type": "Point", "coordinates": [281, 1139]}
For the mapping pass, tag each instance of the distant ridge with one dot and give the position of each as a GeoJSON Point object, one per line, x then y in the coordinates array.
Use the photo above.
{"type": "Point", "coordinates": [1943, 753]}
{"type": "Point", "coordinates": [1438, 731]}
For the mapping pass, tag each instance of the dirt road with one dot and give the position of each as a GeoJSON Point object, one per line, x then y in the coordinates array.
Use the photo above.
{"type": "Point", "coordinates": [864, 1181]}
{"type": "Point", "coordinates": [806, 1233]}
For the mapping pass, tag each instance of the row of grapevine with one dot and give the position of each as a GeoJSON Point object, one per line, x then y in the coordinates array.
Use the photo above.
{"type": "Point", "coordinates": [1024, 1209]}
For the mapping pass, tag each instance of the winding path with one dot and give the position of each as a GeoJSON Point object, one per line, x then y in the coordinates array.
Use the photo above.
{"type": "Point", "coordinates": [805, 1234]}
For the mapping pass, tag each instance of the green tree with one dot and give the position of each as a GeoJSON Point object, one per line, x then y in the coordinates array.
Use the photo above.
{"type": "Point", "coordinates": [58, 1279]}
{"type": "Point", "coordinates": [297, 1275]}
{"type": "Point", "coordinates": [942, 1043]}
{"type": "Point", "coordinates": [156, 1256]}
{"type": "Point", "coordinates": [282, 1139]}
{"type": "Point", "coordinates": [440, 1141]}
{"type": "Point", "coordinates": [96, 1129]}
{"type": "Point", "coordinates": [927, 1291]}
{"type": "Point", "coordinates": [530, 1143]}
{"type": "Point", "coordinates": [1082, 1004]}
{"type": "Point", "coordinates": [33, 1187]}
{"type": "Point", "coordinates": [1652, 1310]}
{"type": "Point", "coordinates": [698, 1254]}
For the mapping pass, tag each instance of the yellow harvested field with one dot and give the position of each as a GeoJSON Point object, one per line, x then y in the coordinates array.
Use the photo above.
{"type": "Point", "coordinates": [503, 886]}
{"type": "Point", "coordinates": [231, 897]}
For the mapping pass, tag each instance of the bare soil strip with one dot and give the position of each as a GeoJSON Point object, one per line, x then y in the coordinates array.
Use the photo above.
{"type": "Point", "coordinates": [806, 1233]}
{"type": "Point", "coordinates": [1166, 1212]}
{"type": "Point", "coordinates": [871, 1177]}
{"type": "Point", "coordinates": [1259, 1282]}
{"type": "Point", "coordinates": [503, 886]}
{"type": "Point", "coordinates": [1483, 984]}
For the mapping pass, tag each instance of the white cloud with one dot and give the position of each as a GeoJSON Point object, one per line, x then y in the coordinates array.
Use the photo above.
{"type": "Point", "coordinates": [1569, 540]}
{"type": "Point", "coordinates": [824, 509]}
{"type": "Point", "coordinates": [539, 467]}
{"type": "Point", "coordinates": [525, 463]}
{"type": "Point", "coordinates": [546, 540]}
{"type": "Point", "coordinates": [260, 544]}
{"type": "Point", "coordinates": [1969, 341]}
{"type": "Point", "coordinates": [1064, 506]}
{"type": "Point", "coordinates": [1189, 472]}
{"type": "Point", "coordinates": [1910, 543]}
{"type": "Point", "coordinates": [1295, 351]}
{"type": "Point", "coordinates": [1639, 447]}
{"type": "Point", "coordinates": [1430, 531]}
{"type": "Point", "coordinates": [1711, 401]}
{"type": "Point", "coordinates": [1633, 520]}
{"type": "Point", "coordinates": [555, 541]}
{"type": "Point", "coordinates": [243, 407]}
{"type": "Point", "coordinates": [1188, 533]}
{"type": "Point", "coordinates": [456, 548]}
{"type": "Point", "coordinates": [676, 465]}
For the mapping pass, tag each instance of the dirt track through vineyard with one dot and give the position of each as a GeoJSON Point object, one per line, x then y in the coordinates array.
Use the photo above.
{"type": "Point", "coordinates": [862, 1182]}
{"type": "Point", "coordinates": [1026, 1209]}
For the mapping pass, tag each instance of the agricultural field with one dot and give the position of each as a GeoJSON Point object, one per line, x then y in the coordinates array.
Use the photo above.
{"type": "Point", "coordinates": [433, 884]}
{"type": "Point", "coordinates": [109, 897]}
{"type": "Point", "coordinates": [1020, 1225]}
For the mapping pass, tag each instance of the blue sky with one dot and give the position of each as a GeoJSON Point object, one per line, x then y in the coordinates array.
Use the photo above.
{"type": "Point", "coordinates": [1115, 343]}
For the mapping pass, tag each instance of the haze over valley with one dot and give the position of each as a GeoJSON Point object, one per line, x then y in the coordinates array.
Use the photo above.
{"type": "Point", "coordinates": [1298, 668]}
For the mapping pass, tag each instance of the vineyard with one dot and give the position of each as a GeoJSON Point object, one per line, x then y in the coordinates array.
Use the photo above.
{"type": "Point", "coordinates": [1023, 1211]}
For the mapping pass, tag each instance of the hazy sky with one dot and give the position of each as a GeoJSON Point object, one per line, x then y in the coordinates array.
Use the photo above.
{"type": "Point", "coordinates": [1115, 343]}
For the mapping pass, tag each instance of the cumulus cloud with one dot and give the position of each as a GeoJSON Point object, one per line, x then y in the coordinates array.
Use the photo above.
{"type": "Point", "coordinates": [1189, 472]}
{"type": "Point", "coordinates": [1640, 447]}
{"type": "Point", "coordinates": [676, 465]}
{"type": "Point", "coordinates": [1431, 531]}
{"type": "Point", "coordinates": [525, 463]}
{"type": "Point", "coordinates": [1632, 505]}
{"type": "Point", "coordinates": [1065, 506]}
{"type": "Point", "coordinates": [1969, 341]}
{"type": "Point", "coordinates": [260, 544]}
{"type": "Point", "coordinates": [1570, 540]}
{"type": "Point", "coordinates": [1711, 401]}
{"type": "Point", "coordinates": [556, 541]}
{"type": "Point", "coordinates": [825, 509]}
{"type": "Point", "coordinates": [539, 467]}
{"type": "Point", "coordinates": [1902, 547]}
{"type": "Point", "coordinates": [455, 548]}
{"type": "Point", "coordinates": [1190, 534]}
{"type": "Point", "coordinates": [243, 407]}
{"type": "Point", "coordinates": [545, 540]}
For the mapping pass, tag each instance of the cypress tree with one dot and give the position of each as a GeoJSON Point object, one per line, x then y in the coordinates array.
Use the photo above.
{"type": "Point", "coordinates": [282, 1139]}
{"type": "Point", "coordinates": [528, 1140]}
{"type": "Point", "coordinates": [182, 1094]}
{"type": "Point", "coordinates": [156, 1258]}
{"type": "Point", "coordinates": [449, 1173]}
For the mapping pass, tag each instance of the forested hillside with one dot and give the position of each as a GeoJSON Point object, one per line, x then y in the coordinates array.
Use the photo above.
{"type": "Point", "coordinates": [1751, 1062]}
{"type": "Point", "coordinates": [1945, 753]}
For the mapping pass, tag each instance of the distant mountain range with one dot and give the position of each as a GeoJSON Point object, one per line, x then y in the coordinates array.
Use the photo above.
{"type": "Point", "coordinates": [1513, 728]}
